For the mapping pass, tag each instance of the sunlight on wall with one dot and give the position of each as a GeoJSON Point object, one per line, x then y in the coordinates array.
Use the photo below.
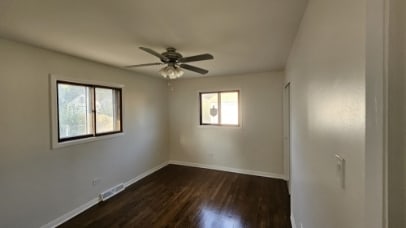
{"type": "Point", "coordinates": [335, 113]}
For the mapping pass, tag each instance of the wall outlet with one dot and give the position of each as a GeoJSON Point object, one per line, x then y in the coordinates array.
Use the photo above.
{"type": "Point", "coordinates": [96, 181]}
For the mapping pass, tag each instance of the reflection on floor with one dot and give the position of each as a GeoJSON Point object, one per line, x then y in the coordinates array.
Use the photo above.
{"type": "Point", "coordinates": [179, 196]}
{"type": "Point", "coordinates": [212, 218]}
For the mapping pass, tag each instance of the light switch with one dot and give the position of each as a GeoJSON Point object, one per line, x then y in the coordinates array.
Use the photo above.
{"type": "Point", "coordinates": [340, 165]}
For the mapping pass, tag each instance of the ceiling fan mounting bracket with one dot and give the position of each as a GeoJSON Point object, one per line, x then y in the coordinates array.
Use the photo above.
{"type": "Point", "coordinates": [172, 55]}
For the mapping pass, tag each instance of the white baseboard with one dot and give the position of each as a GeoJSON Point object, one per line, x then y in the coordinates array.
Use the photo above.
{"type": "Point", "coordinates": [58, 221]}
{"type": "Point", "coordinates": [146, 173]}
{"type": "Point", "coordinates": [293, 221]}
{"type": "Point", "coordinates": [229, 169]}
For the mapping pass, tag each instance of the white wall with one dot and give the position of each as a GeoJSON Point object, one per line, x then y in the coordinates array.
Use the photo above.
{"type": "Point", "coordinates": [39, 184]}
{"type": "Point", "coordinates": [256, 145]}
{"type": "Point", "coordinates": [326, 69]}
{"type": "Point", "coordinates": [397, 111]}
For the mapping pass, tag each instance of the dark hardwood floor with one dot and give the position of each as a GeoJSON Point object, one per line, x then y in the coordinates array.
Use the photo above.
{"type": "Point", "coordinates": [179, 196]}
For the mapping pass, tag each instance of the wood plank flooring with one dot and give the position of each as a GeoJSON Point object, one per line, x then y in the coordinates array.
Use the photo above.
{"type": "Point", "coordinates": [179, 196]}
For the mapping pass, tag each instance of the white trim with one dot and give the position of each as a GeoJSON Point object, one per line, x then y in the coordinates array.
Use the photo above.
{"type": "Point", "coordinates": [386, 113]}
{"type": "Point", "coordinates": [376, 112]}
{"type": "Point", "coordinates": [287, 153]}
{"type": "Point", "coordinates": [146, 173]}
{"type": "Point", "coordinates": [58, 221]}
{"type": "Point", "coordinates": [229, 169]}
{"type": "Point", "coordinates": [85, 140]}
{"type": "Point", "coordinates": [53, 78]}
{"type": "Point", "coordinates": [67, 216]}
{"type": "Point", "coordinates": [293, 221]}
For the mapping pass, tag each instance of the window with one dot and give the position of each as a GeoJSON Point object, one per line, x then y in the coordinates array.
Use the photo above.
{"type": "Point", "coordinates": [84, 111]}
{"type": "Point", "coordinates": [74, 111]}
{"type": "Point", "coordinates": [219, 108]}
{"type": "Point", "coordinates": [87, 110]}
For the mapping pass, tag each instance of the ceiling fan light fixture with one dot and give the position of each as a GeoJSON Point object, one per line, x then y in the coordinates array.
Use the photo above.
{"type": "Point", "coordinates": [171, 72]}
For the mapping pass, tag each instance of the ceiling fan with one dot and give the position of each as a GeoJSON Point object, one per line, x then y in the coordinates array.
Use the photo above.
{"type": "Point", "coordinates": [174, 61]}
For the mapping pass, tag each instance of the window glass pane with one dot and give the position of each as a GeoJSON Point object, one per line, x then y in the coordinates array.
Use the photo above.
{"type": "Point", "coordinates": [209, 103]}
{"type": "Point", "coordinates": [74, 110]}
{"type": "Point", "coordinates": [229, 108]}
{"type": "Point", "coordinates": [107, 110]}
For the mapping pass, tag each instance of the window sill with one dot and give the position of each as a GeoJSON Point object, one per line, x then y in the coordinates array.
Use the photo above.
{"type": "Point", "coordinates": [220, 126]}
{"type": "Point", "coordinates": [57, 145]}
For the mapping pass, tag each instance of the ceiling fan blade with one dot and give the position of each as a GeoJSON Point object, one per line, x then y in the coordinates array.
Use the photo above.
{"type": "Point", "coordinates": [145, 64]}
{"type": "Point", "coordinates": [152, 52]}
{"type": "Point", "coordinates": [196, 58]}
{"type": "Point", "coordinates": [193, 68]}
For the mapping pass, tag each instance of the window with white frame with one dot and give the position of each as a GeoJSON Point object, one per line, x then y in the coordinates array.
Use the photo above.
{"type": "Point", "coordinates": [219, 108]}
{"type": "Point", "coordinates": [85, 111]}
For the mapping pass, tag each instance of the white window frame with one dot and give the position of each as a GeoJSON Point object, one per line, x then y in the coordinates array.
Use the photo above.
{"type": "Point", "coordinates": [55, 143]}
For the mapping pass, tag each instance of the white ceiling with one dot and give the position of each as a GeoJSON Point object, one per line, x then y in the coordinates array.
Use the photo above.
{"type": "Point", "coordinates": [244, 36]}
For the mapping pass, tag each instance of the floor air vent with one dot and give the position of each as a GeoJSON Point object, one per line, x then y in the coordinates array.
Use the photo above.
{"type": "Point", "coordinates": [111, 192]}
